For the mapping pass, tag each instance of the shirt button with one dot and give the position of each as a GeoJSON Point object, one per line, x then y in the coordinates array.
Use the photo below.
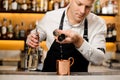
{"type": "Point", "coordinates": [81, 50]}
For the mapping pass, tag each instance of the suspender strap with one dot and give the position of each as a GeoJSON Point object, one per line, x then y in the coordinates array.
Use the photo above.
{"type": "Point", "coordinates": [85, 35]}
{"type": "Point", "coordinates": [62, 21]}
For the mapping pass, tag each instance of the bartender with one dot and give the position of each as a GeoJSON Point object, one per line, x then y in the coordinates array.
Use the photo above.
{"type": "Point", "coordinates": [80, 34]}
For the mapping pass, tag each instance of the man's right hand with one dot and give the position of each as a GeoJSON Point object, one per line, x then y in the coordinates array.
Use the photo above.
{"type": "Point", "coordinates": [32, 40]}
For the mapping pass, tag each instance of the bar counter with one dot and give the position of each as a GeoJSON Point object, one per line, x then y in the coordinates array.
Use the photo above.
{"type": "Point", "coordinates": [35, 75]}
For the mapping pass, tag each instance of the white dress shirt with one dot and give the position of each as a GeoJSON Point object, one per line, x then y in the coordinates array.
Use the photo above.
{"type": "Point", "coordinates": [96, 33]}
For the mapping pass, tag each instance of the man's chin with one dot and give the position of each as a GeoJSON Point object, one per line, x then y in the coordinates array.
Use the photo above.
{"type": "Point", "coordinates": [79, 19]}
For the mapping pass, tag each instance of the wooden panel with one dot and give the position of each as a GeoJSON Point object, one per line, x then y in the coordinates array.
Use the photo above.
{"type": "Point", "coordinates": [110, 46]}
{"type": "Point", "coordinates": [11, 45]}
{"type": "Point", "coordinates": [109, 19]}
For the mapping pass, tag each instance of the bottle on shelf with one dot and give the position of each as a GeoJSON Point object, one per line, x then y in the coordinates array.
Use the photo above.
{"type": "Point", "coordinates": [29, 29]}
{"type": "Point", "coordinates": [24, 58]}
{"type": "Point", "coordinates": [16, 32]}
{"type": "Point", "coordinates": [24, 5]}
{"type": "Point", "coordinates": [45, 5]}
{"type": "Point", "coordinates": [115, 6]}
{"type": "Point", "coordinates": [41, 5]}
{"type": "Point", "coordinates": [62, 3]}
{"type": "Point", "coordinates": [97, 7]}
{"type": "Point", "coordinates": [110, 7]}
{"type": "Point", "coordinates": [5, 5]}
{"type": "Point", "coordinates": [22, 32]}
{"type": "Point", "coordinates": [56, 5]}
{"type": "Point", "coordinates": [14, 5]}
{"type": "Point", "coordinates": [37, 6]}
{"type": "Point", "coordinates": [104, 8]}
{"type": "Point", "coordinates": [9, 5]}
{"type": "Point", "coordinates": [10, 30]}
{"type": "Point", "coordinates": [29, 5]}
{"type": "Point", "coordinates": [111, 32]}
{"type": "Point", "coordinates": [50, 5]}
{"type": "Point", "coordinates": [4, 29]}
{"type": "Point", "coordinates": [114, 32]}
{"type": "Point", "coordinates": [34, 7]}
{"type": "Point", "coordinates": [19, 4]}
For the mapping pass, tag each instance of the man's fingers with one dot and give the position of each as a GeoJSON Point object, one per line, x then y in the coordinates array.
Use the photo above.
{"type": "Point", "coordinates": [32, 40]}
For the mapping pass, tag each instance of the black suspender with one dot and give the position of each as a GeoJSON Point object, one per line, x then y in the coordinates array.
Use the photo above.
{"type": "Point", "coordinates": [62, 21]}
{"type": "Point", "coordinates": [85, 35]}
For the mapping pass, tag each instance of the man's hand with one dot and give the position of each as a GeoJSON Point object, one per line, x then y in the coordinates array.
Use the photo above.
{"type": "Point", "coordinates": [71, 37]}
{"type": "Point", "coordinates": [32, 40]}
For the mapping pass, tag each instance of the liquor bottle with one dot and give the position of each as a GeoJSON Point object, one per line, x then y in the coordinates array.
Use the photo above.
{"type": "Point", "coordinates": [41, 5]}
{"type": "Point", "coordinates": [0, 30]}
{"type": "Point", "coordinates": [114, 32]}
{"type": "Point", "coordinates": [24, 58]}
{"type": "Point", "coordinates": [22, 31]}
{"type": "Point", "coordinates": [19, 4]}
{"type": "Point", "coordinates": [97, 7]}
{"type": "Point", "coordinates": [110, 7]}
{"type": "Point", "coordinates": [62, 3]}
{"type": "Point", "coordinates": [115, 6]}
{"type": "Point", "coordinates": [29, 6]}
{"type": "Point", "coordinates": [16, 32]}
{"type": "Point", "coordinates": [45, 5]}
{"type": "Point", "coordinates": [56, 5]}
{"type": "Point", "coordinates": [24, 5]}
{"type": "Point", "coordinates": [33, 5]}
{"type": "Point", "coordinates": [4, 29]}
{"type": "Point", "coordinates": [104, 8]}
{"type": "Point", "coordinates": [14, 5]}
{"type": "Point", "coordinates": [10, 30]}
{"type": "Point", "coordinates": [37, 7]}
{"type": "Point", "coordinates": [109, 32]}
{"type": "Point", "coordinates": [50, 5]}
{"type": "Point", "coordinates": [5, 5]}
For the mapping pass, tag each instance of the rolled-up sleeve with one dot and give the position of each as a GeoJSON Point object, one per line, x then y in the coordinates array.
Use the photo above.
{"type": "Point", "coordinates": [93, 55]}
{"type": "Point", "coordinates": [94, 50]}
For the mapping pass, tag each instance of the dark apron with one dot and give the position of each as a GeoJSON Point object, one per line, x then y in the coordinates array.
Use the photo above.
{"type": "Point", "coordinates": [64, 51]}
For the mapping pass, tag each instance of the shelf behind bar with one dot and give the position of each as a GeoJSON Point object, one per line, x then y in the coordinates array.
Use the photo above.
{"type": "Point", "coordinates": [42, 12]}
{"type": "Point", "coordinates": [12, 44]}
{"type": "Point", "coordinates": [21, 11]}
{"type": "Point", "coordinates": [106, 14]}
